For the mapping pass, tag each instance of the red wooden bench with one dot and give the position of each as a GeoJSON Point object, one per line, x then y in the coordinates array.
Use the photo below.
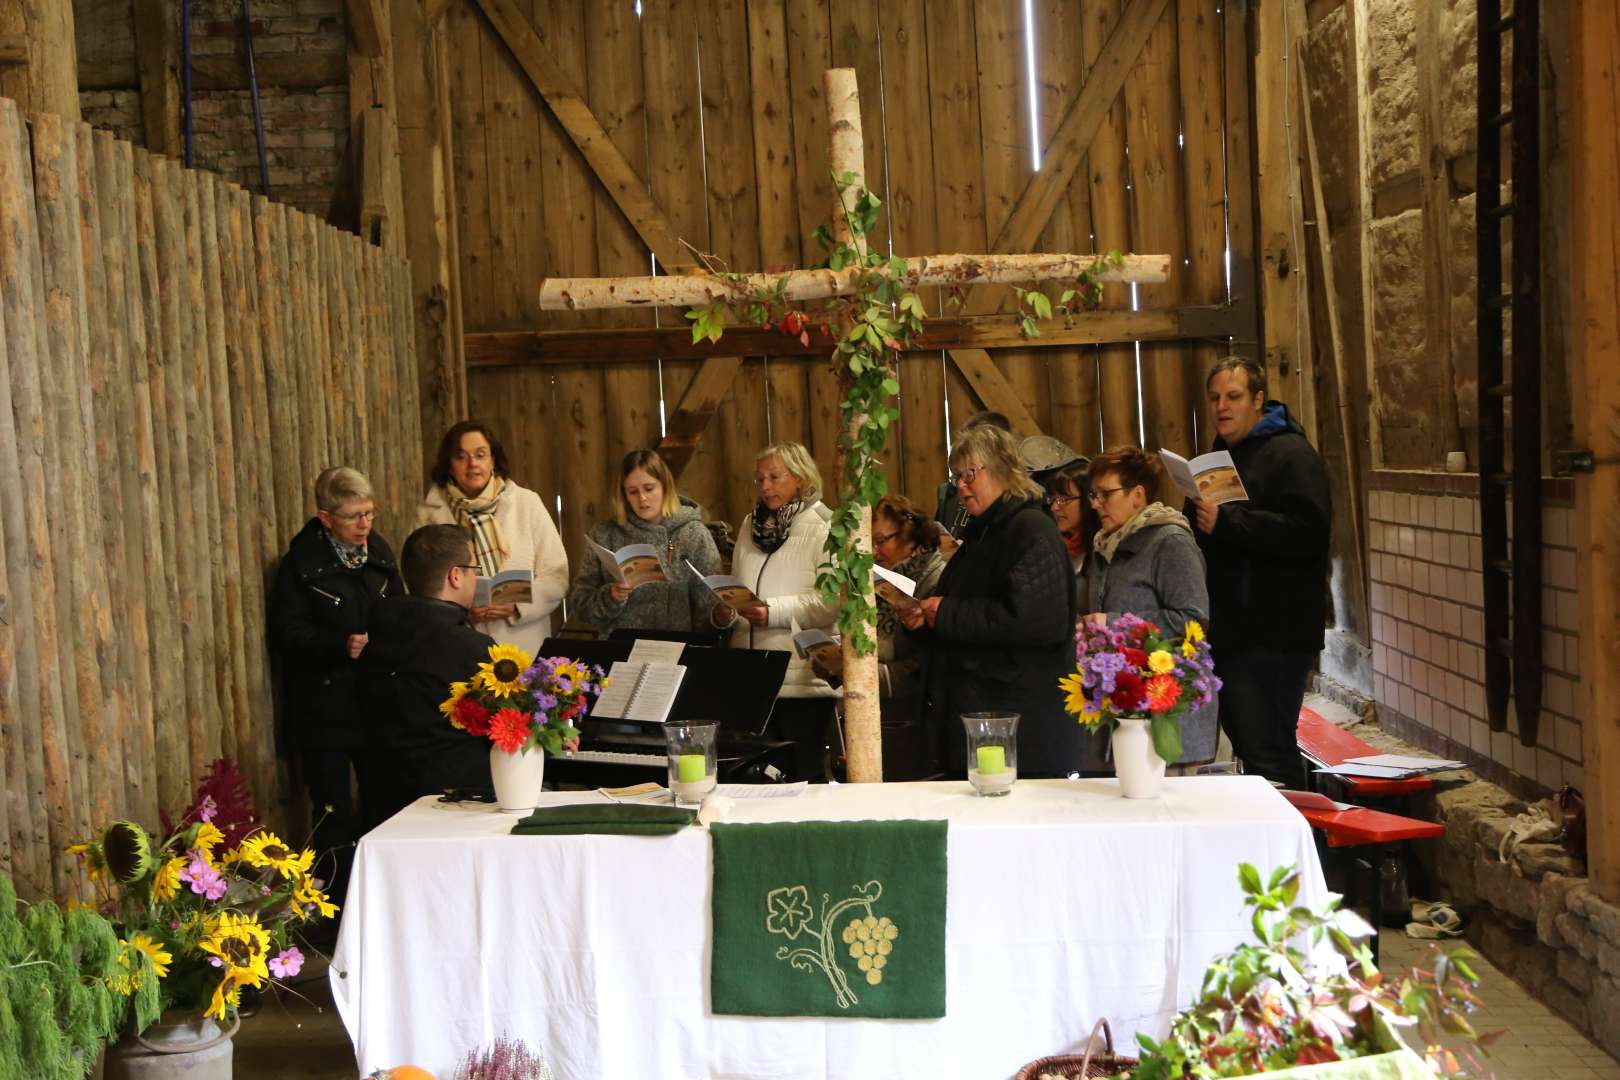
{"type": "Point", "coordinates": [1358, 825]}
{"type": "Point", "coordinates": [1326, 743]}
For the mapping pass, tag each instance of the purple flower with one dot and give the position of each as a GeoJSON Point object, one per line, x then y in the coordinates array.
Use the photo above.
{"type": "Point", "coordinates": [208, 808]}
{"type": "Point", "coordinates": [546, 702]}
{"type": "Point", "coordinates": [285, 964]}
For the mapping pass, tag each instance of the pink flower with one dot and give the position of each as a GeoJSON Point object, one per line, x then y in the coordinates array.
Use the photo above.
{"type": "Point", "coordinates": [286, 964]}
{"type": "Point", "coordinates": [204, 879]}
{"type": "Point", "coordinates": [208, 808]}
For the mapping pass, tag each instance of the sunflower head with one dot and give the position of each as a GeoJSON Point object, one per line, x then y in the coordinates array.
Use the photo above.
{"type": "Point", "coordinates": [501, 674]}
{"type": "Point", "coordinates": [266, 849]}
{"type": "Point", "coordinates": [127, 851]}
{"type": "Point", "coordinates": [166, 882]}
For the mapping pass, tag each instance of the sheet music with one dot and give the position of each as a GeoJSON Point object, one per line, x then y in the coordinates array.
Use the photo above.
{"type": "Point", "coordinates": [643, 692]}
{"type": "Point", "coordinates": [1406, 761]}
{"type": "Point", "coordinates": [650, 651]}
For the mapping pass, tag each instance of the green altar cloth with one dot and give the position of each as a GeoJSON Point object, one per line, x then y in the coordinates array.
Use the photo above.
{"type": "Point", "coordinates": [823, 918]}
{"type": "Point", "coordinates": [621, 818]}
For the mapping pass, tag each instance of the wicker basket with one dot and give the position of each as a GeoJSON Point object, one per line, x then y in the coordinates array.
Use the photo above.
{"type": "Point", "coordinates": [1082, 1066]}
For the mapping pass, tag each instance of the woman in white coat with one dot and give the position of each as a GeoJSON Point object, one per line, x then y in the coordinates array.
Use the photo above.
{"type": "Point", "coordinates": [780, 551]}
{"type": "Point", "coordinates": [510, 528]}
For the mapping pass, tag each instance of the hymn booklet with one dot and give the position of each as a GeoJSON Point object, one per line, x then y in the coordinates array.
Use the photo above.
{"type": "Point", "coordinates": [813, 642]}
{"type": "Point", "coordinates": [899, 590]}
{"type": "Point", "coordinates": [728, 590]}
{"type": "Point", "coordinates": [1213, 477]}
{"type": "Point", "coordinates": [640, 691]}
{"type": "Point", "coordinates": [634, 564]}
{"type": "Point", "coordinates": [506, 587]}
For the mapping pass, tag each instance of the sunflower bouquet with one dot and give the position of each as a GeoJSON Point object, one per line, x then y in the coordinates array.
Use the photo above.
{"type": "Point", "coordinates": [1129, 668]}
{"type": "Point", "coordinates": [519, 704]}
{"type": "Point", "coordinates": [201, 914]}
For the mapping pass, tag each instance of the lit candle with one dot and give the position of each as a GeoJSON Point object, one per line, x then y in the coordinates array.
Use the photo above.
{"type": "Point", "coordinates": [690, 768]}
{"type": "Point", "coordinates": [992, 760]}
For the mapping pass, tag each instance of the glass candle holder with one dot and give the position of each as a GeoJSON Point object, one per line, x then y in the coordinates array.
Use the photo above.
{"type": "Point", "coordinates": [692, 762]}
{"type": "Point", "coordinates": [992, 751]}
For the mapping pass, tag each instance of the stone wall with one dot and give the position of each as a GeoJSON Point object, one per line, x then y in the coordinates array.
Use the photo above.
{"type": "Point", "coordinates": [1533, 912]}
{"type": "Point", "coordinates": [300, 50]}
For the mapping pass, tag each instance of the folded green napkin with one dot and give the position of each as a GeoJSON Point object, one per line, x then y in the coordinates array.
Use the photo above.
{"type": "Point", "coordinates": [823, 918]}
{"type": "Point", "coordinates": [623, 818]}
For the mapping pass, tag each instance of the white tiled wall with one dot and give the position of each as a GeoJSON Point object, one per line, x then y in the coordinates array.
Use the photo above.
{"type": "Point", "coordinates": [1428, 630]}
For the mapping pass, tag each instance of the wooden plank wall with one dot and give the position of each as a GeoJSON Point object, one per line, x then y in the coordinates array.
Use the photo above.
{"type": "Point", "coordinates": [718, 104]}
{"type": "Point", "coordinates": [178, 360]}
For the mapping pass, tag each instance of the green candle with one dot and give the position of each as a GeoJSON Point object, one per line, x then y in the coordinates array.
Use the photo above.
{"type": "Point", "coordinates": [690, 768]}
{"type": "Point", "coordinates": [992, 759]}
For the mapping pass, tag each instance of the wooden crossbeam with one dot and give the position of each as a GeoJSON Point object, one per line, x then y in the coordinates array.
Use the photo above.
{"type": "Point", "coordinates": [367, 27]}
{"type": "Point", "coordinates": [525, 348]}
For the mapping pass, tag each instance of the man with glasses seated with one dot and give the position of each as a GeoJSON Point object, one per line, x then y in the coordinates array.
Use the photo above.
{"type": "Point", "coordinates": [335, 571]}
{"type": "Point", "coordinates": [420, 644]}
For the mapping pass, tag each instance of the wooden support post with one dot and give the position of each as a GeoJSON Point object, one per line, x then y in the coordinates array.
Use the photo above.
{"type": "Point", "coordinates": [157, 57]}
{"type": "Point", "coordinates": [1594, 149]}
{"type": "Point", "coordinates": [846, 155]}
{"type": "Point", "coordinates": [1199, 56]}
{"type": "Point", "coordinates": [373, 127]}
{"type": "Point", "coordinates": [48, 82]}
{"type": "Point", "coordinates": [368, 27]}
{"type": "Point", "coordinates": [1432, 68]}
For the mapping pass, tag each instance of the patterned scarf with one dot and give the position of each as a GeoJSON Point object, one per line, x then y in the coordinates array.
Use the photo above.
{"type": "Point", "coordinates": [476, 514]}
{"type": "Point", "coordinates": [771, 527]}
{"type": "Point", "coordinates": [352, 556]}
{"type": "Point", "coordinates": [1152, 514]}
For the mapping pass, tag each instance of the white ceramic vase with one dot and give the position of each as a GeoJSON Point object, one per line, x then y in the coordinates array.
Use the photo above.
{"type": "Point", "coordinates": [1139, 767]}
{"type": "Point", "coordinates": [517, 778]}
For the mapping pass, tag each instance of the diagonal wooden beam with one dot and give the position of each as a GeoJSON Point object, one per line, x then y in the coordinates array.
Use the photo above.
{"type": "Point", "coordinates": [685, 427]}
{"type": "Point", "coordinates": [368, 26]}
{"type": "Point", "coordinates": [434, 10]}
{"type": "Point", "coordinates": [1036, 203]}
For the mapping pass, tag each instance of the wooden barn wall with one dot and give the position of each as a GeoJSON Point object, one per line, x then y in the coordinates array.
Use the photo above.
{"type": "Point", "coordinates": [178, 360]}
{"type": "Point", "coordinates": [718, 104]}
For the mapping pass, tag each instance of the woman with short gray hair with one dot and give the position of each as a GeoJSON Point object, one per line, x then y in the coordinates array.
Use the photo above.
{"type": "Point", "coordinates": [335, 569]}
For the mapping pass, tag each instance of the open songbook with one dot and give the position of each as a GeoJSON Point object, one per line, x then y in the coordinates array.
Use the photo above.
{"type": "Point", "coordinates": [640, 691]}
{"type": "Point", "coordinates": [506, 587]}
{"type": "Point", "coordinates": [727, 589]}
{"type": "Point", "coordinates": [1213, 477]}
{"type": "Point", "coordinates": [811, 642]}
{"type": "Point", "coordinates": [634, 564]}
{"type": "Point", "coordinates": [899, 590]}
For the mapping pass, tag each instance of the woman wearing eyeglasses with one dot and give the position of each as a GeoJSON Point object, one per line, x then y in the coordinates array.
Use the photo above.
{"type": "Point", "coordinates": [1068, 493]}
{"type": "Point", "coordinates": [1000, 626]}
{"type": "Point", "coordinates": [511, 531]}
{"type": "Point", "coordinates": [334, 571]}
{"type": "Point", "coordinates": [1145, 561]}
{"type": "Point", "coordinates": [905, 541]}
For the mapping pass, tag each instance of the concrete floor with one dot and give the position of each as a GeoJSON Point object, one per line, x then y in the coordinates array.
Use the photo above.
{"type": "Point", "coordinates": [293, 1039]}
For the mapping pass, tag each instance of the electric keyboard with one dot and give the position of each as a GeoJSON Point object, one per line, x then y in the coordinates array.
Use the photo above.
{"type": "Point", "coordinates": [613, 757]}
{"type": "Point", "coordinates": [621, 760]}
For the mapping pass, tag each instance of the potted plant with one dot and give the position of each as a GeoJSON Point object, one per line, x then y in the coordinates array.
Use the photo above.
{"type": "Point", "coordinates": [1308, 992]}
{"type": "Point", "coordinates": [211, 907]}
{"type": "Point", "coordinates": [526, 710]}
{"type": "Point", "coordinates": [1133, 680]}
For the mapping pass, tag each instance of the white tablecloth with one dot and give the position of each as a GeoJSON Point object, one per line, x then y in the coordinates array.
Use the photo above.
{"type": "Point", "coordinates": [1066, 903]}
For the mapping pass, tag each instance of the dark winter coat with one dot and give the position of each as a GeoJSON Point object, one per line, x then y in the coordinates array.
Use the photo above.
{"type": "Point", "coordinates": [419, 646]}
{"type": "Point", "coordinates": [681, 603]}
{"type": "Point", "coordinates": [316, 603]}
{"type": "Point", "coordinates": [1003, 637]}
{"type": "Point", "coordinates": [1268, 557]}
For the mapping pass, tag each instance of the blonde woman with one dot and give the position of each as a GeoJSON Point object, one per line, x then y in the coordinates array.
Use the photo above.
{"type": "Point", "coordinates": [779, 553]}
{"type": "Point", "coordinates": [1001, 622]}
{"type": "Point", "coordinates": [510, 526]}
{"type": "Point", "coordinates": [648, 510]}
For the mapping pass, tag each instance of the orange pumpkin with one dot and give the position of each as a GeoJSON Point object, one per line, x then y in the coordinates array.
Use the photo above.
{"type": "Point", "coordinates": [408, 1072]}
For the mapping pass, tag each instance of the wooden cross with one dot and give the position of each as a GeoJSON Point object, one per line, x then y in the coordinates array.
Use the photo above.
{"type": "Point", "coordinates": [862, 728]}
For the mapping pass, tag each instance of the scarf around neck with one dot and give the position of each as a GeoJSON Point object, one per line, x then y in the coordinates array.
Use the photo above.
{"type": "Point", "coordinates": [352, 556]}
{"type": "Point", "coordinates": [770, 527]}
{"type": "Point", "coordinates": [476, 514]}
{"type": "Point", "coordinates": [1153, 514]}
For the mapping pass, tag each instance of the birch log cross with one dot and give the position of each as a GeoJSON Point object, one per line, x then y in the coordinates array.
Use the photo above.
{"type": "Point", "coordinates": [873, 308]}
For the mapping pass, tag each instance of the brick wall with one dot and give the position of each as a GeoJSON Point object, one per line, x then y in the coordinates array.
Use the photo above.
{"type": "Point", "coordinates": [306, 126]}
{"type": "Point", "coordinates": [1428, 629]}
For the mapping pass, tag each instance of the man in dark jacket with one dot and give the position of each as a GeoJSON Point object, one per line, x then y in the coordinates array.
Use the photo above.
{"type": "Point", "coordinates": [335, 571]}
{"type": "Point", "coordinates": [1267, 559]}
{"type": "Point", "coordinates": [420, 644]}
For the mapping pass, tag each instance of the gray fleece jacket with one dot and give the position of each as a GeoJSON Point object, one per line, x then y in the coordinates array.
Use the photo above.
{"type": "Point", "coordinates": [677, 604]}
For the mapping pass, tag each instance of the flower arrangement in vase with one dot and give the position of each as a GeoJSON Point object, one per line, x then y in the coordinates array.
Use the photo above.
{"type": "Point", "coordinates": [1129, 671]}
{"type": "Point", "coordinates": [213, 905]}
{"type": "Point", "coordinates": [522, 705]}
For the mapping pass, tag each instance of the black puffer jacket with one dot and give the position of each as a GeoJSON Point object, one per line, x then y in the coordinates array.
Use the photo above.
{"type": "Point", "coordinates": [1268, 557]}
{"type": "Point", "coordinates": [315, 604]}
{"type": "Point", "coordinates": [1003, 637]}
{"type": "Point", "coordinates": [419, 646]}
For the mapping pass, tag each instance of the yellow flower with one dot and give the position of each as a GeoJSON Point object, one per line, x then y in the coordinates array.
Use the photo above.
{"type": "Point", "coordinates": [89, 854]}
{"type": "Point", "coordinates": [208, 838]}
{"type": "Point", "coordinates": [154, 949]}
{"type": "Point", "coordinates": [166, 883]}
{"type": "Point", "coordinates": [266, 849]}
{"type": "Point", "coordinates": [1195, 631]}
{"type": "Point", "coordinates": [458, 690]}
{"type": "Point", "coordinates": [1075, 701]}
{"type": "Point", "coordinates": [243, 948]}
{"type": "Point", "coordinates": [226, 996]}
{"type": "Point", "coordinates": [1189, 648]}
{"type": "Point", "coordinates": [1161, 662]}
{"type": "Point", "coordinates": [500, 674]}
{"type": "Point", "coordinates": [306, 893]}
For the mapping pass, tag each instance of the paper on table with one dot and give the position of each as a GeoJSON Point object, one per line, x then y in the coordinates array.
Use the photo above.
{"type": "Point", "coordinates": [1370, 772]}
{"type": "Point", "coordinates": [762, 791]}
{"type": "Point", "coordinates": [1313, 800]}
{"type": "Point", "coordinates": [1406, 761]}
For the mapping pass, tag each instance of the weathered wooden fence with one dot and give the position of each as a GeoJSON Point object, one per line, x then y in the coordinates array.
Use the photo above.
{"type": "Point", "coordinates": [179, 360]}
